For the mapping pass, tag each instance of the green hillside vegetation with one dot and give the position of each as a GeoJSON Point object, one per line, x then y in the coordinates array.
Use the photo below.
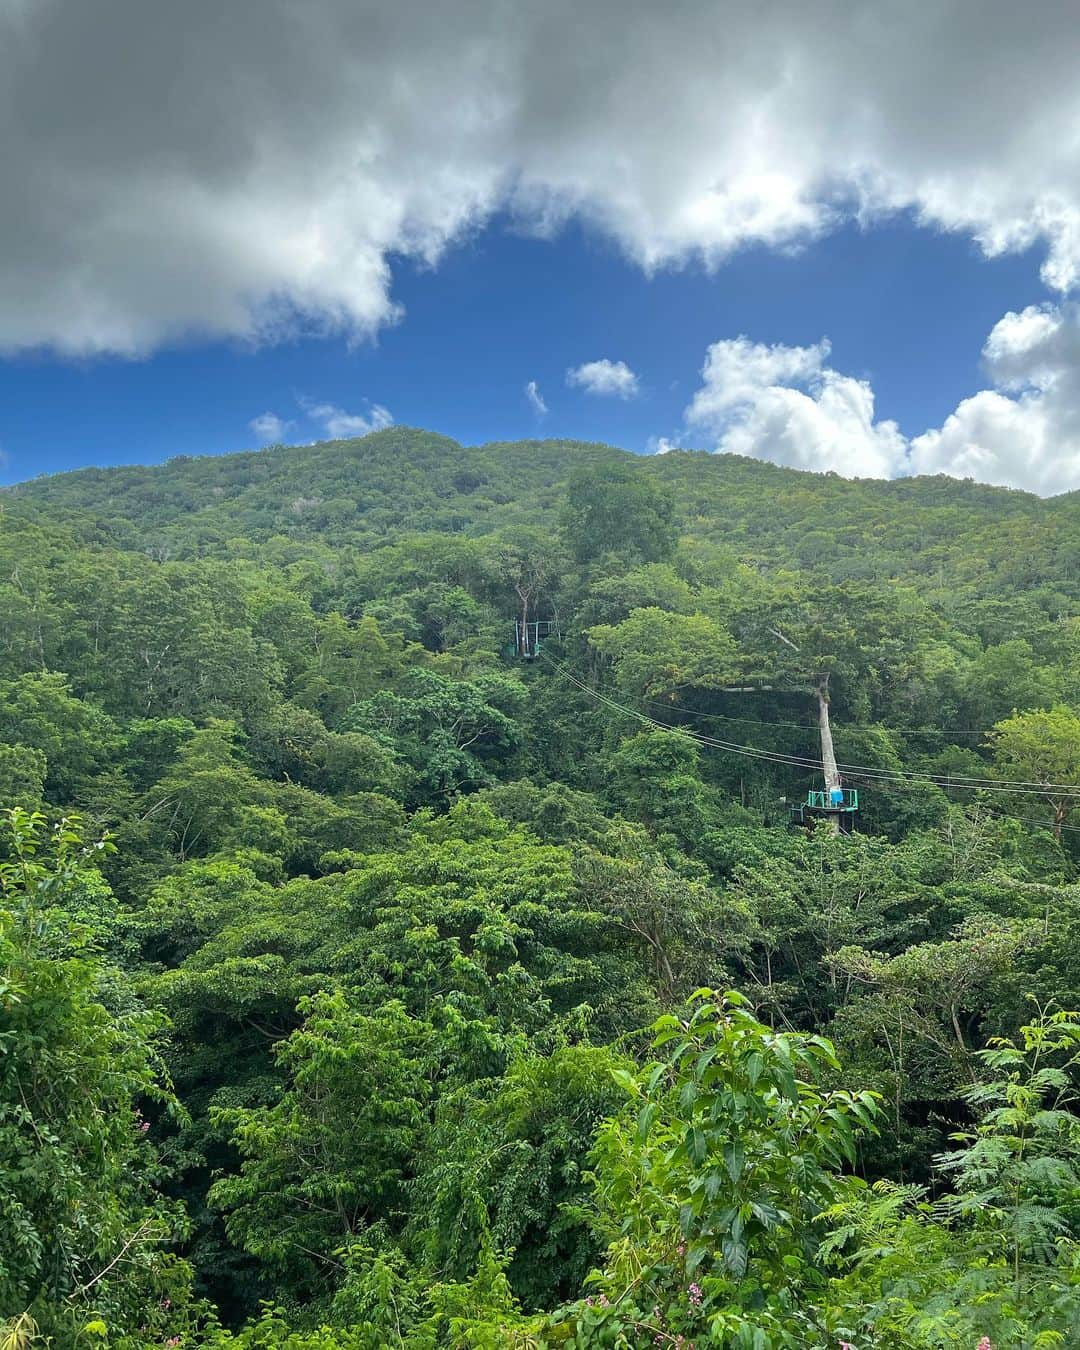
{"type": "Point", "coordinates": [363, 984]}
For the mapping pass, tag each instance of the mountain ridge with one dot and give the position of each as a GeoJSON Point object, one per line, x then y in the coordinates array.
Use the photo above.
{"type": "Point", "coordinates": [360, 494]}
{"type": "Point", "coordinates": [391, 437]}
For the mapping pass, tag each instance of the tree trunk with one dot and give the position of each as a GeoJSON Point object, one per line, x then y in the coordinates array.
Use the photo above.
{"type": "Point", "coordinates": [828, 755]}
{"type": "Point", "coordinates": [524, 597]}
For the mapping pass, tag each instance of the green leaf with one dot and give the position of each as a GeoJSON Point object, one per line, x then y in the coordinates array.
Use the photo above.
{"type": "Point", "coordinates": [646, 1116]}
{"type": "Point", "coordinates": [627, 1081]}
{"type": "Point", "coordinates": [734, 1161]}
{"type": "Point", "coordinates": [696, 1253]}
{"type": "Point", "coordinates": [735, 1256]}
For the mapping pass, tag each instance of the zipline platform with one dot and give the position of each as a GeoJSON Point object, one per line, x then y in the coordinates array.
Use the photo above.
{"type": "Point", "coordinates": [529, 636]}
{"type": "Point", "coordinates": [839, 804]}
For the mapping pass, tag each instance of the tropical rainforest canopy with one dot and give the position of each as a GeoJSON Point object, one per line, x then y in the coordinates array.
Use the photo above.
{"type": "Point", "coordinates": [365, 985]}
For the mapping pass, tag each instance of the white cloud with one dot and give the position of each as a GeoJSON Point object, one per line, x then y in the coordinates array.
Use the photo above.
{"type": "Point", "coordinates": [268, 427]}
{"type": "Point", "coordinates": [536, 399]}
{"type": "Point", "coordinates": [786, 405]}
{"type": "Point", "coordinates": [339, 424]}
{"type": "Point", "coordinates": [604, 377]}
{"type": "Point", "coordinates": [258, 185]}
{"type": "Point", "coordinates": [1028, 436]}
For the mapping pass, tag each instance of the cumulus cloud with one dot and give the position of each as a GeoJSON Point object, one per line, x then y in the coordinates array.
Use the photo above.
{"type": "Point", "coordinates": [269, 427]}
{"type": "Point", "coordinates": [339, 424]}
{"type": "Point", "coordinates": [604, 377]}
{"type": "Point", "coordinates": [1025, 432]}
{"type": "Point", "coordinates": [785, 404]}
{"type": "Point", "coordinates": [536, 399]}
{"type": "Point", "coordinates": [246, 170]}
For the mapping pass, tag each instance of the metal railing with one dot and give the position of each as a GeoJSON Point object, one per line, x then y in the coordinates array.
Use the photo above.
{"type": "Point", "coordinates": [822, 801]}
{"type": "Point", "coordinates": [527, 636]}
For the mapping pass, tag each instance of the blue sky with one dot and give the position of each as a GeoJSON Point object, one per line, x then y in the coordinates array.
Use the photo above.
{"type": "Point", "coordinates": [839, 236]}
{"type": "Point", "coordinates": [503, 308]}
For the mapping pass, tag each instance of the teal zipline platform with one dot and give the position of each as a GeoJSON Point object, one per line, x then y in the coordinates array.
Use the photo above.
{"type": "Point", "coordinates": [839, 804]}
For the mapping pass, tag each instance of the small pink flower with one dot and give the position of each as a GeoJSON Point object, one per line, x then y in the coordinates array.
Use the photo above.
{"type": "Point", "coordinates": [144, 1126]}
{"type": "Point", "coordinates": [173, 1340]}
{"type": "Point", "coordinates": [984, 1344]}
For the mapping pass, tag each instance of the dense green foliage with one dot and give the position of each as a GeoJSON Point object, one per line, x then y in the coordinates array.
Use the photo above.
{"type": "Point", "coordinates": [355, 975]}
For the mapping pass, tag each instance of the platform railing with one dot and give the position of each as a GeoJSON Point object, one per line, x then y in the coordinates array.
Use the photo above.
{"type": "Point", "coordinates": [822, 801]}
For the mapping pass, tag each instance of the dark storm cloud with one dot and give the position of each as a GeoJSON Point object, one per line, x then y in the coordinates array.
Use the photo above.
{"type": "Point", "coordinates": [247, 168]}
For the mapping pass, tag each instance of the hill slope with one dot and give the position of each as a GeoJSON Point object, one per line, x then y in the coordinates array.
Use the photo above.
{"type": "Point", "coordinates": [934, 532]}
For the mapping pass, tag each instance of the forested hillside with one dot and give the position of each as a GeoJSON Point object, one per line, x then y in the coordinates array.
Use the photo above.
{"type": "Point", "coordinates": [362, 983]}
{"type": "Point", "coordinates": [362, 493]}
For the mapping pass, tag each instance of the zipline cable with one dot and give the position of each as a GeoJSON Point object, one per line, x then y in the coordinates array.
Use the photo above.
{"type": "Point", "coordinates": [956, 782]}
{"type": "Point", "coordinates": [1024, 788]}
{"type": "Point", "coordinates": [792, 761]}
{"type": "Point", "coordinates": [997, 812]}
{"type": "Point", "coordinates": [810, 726]}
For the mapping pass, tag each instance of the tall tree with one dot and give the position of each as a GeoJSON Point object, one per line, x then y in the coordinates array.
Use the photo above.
{"type": "Point", "coordinates": [1041, 751]}
{"type": "Point", "coordinates": [612, 508]}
